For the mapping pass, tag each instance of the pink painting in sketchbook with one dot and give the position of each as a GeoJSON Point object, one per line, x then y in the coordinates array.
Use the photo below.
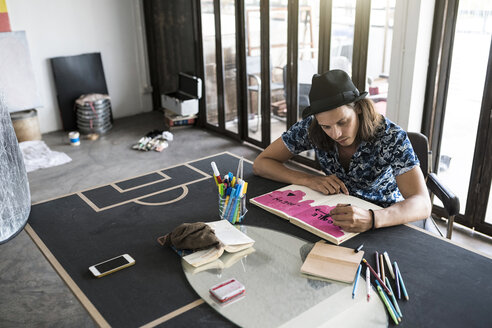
{"type": "Point", "coordinates": [309, 210]}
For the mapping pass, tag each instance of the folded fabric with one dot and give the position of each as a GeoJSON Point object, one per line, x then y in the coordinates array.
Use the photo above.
{"type": "Point", "coordinates": [192, 236]}
{"type": "Point", "coordinates": [37, 155]}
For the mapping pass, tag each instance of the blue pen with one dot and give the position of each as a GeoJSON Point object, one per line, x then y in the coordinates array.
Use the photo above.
{"type": "Point", "coordinates": [232, 200]}
{"type": "Point", "coordinates": [389, 302]}
{"type": "Point", "coordinates": [227, 201]}
{"type": "Point", "coordinates": [356, 280]}
{"type": "Point", "coordinates": [232, 209]}
{"type": "Point", "coordinates": [400, 279]}
{"type": "Point", "coordinates": [236, 202]}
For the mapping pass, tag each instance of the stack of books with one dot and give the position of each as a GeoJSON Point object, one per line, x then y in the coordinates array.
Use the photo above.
{"type": "Point", "coordinates": [173, 119]}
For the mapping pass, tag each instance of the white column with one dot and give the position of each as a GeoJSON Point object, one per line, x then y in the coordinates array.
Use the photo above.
{"type": "Point", "coordinates": [409, 62]}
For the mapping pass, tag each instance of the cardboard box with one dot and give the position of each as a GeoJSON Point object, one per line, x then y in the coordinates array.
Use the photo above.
{"type": "Point", "coordinates": [173, 119]}
{"type": "Point", "coordinates": [185, 100]}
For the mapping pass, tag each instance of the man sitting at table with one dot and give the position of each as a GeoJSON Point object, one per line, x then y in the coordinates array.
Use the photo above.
{"type": "Point", "coordinates": [361, 152]}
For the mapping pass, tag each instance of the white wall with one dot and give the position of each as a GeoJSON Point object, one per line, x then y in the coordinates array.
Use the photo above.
{"type": "Point", "coordinates": [409, 62]}
{"type": "Point", "coordinates": [64, 28]}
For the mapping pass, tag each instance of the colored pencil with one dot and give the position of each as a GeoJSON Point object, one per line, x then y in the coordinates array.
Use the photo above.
{"type": "Point", "coordinates": [368, 284]}
{"type": "Point", "coordinates": [376, 255]}
{"type": "Point", "coordinates": [395, 303]}
{"type": "Point", "coordinates": [381, 262]}
{"type": "Point", "coordinates": [398, 272]}
{"type": "Point", "coordinates": [389, 302]}
{"type": "Point", "coordinates": [397, 284]}
{"type": "Point", "coordinates": [356, 280]}
{"type": "Point", "coordinates": [388, 264]}
{"type": "Point", "coordinates": [376, 276]}
{"type": "Point", "coordinates": [388, 307]}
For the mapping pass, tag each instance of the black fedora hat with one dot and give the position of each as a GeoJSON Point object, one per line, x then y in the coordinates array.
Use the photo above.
{"type": "Point", "coordinates": [331, 90]}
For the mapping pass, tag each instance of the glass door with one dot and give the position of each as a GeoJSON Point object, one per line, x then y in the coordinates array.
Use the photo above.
{"type": "Point", "coordinates": [209, 61]}
{"type": "Point", "coordinates": [342, 35]}
{"type": "Point", "coordinates": [253, 68]}
{"type": "Point", "coordinates": [259, 57]}
{"type": "Point", "coordinates": [228, 42]}
{"type": "Point", "coordinates": [379, 52]}
{"type": "Point", "coordinates": [278, 60]}
{"type": "Point", "coordinates": [219, 54]}
{"type": "Point", "coordinates": [465, 158]}
{"type": "Point", "coordinates": [308, 57]}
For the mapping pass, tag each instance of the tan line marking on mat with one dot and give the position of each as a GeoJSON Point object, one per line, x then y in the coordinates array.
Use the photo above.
{"type": "Point", "coordinates": [88, 201]}
{"type": "Point", "coordinates": [183, 195]}
{"type": "Point", "coordinates": [163, 174]}
{"type": "Point", "coordinates": [67, 279]}
{"type": "Point", "coordinates": [197, 170]}
{"type": "Point", "coordinates": [136, 176]}
{"type": "Point", "coordinates": [149, 195]}
{"type": "Point", "coordinates": [449, 241]}
{"type": "Point", "coordinates": [173, 314]}
{"type": "Point", "coordinates": [202, 158]}
{"type": "Point", "coordinates": [121, 190]}
{"type": "Point", "coordinates": [53, 198]}
{"type": "Point", "coordinates": [97, 209]}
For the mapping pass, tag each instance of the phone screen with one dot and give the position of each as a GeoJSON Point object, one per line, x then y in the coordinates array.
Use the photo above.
{"type": "Point", "coordinates": [111, 264]}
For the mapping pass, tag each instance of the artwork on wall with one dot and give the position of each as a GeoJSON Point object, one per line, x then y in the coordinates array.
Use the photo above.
{"type": "Point", "coordinates": [4, 17]}
{"type": "Point", "coordinates": [75, 76]}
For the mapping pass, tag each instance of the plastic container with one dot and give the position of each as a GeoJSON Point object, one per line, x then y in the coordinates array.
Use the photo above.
{"type": "Point", "coordinates": [26, 125]}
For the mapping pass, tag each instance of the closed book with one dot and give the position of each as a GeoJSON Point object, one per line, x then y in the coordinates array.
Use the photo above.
{"type": "Point", "coordinates": [332, 262]}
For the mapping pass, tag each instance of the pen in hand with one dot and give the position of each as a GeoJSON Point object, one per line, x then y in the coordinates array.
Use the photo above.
{"type": "Point", "coordinates": [340, 206]}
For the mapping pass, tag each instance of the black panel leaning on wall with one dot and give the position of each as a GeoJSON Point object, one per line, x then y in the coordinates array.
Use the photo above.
{"type": "Point", "coordinates": [171, 43]}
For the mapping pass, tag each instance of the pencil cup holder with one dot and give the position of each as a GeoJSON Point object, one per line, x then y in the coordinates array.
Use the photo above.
{"type": "Point", "coordinates": [233, 211]}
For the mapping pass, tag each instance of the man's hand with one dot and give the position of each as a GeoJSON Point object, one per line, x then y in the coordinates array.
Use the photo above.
{"type": "Point", "coordinates": [327, 185]}
{"type": "Point", "coordinates": [351, 218]}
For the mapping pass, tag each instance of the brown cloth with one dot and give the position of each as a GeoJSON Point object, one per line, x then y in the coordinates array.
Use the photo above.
{"type": "Point", "coordinates": [192, 236]}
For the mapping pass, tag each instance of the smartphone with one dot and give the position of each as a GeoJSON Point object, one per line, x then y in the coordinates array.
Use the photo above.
{"type": "Point", "coordinates": [111, 265]}
{"type": "Point", "coordinates": [227, 290]}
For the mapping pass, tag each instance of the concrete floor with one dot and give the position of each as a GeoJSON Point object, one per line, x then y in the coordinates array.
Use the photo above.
{"type": "Point", "coordinates": [32, 294]}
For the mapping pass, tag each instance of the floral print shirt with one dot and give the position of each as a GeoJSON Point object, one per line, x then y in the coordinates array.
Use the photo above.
{"type": "Point", "coordinates": [373, 167]}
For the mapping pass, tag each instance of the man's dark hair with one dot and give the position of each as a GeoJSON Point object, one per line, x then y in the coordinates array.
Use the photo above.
{"type": "Point", "coordinates": [369, 121]}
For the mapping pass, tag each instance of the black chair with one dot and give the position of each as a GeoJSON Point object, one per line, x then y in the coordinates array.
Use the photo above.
{"type": "Point", "coordinates": [449, 200]}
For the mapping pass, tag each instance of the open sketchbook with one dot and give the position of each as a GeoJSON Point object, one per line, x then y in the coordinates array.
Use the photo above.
{"type": "Point", "coordinates": [225, 261]}
{"type": "Point", "coordinates": [310, 209]}
{"type": "Point", "coordinates": [232, 239]}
